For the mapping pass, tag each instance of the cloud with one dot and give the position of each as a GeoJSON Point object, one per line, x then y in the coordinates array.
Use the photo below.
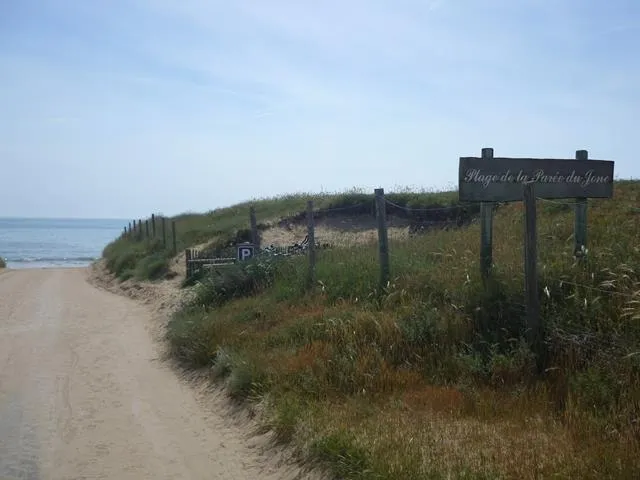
{"type": "Point", "coordinates": [371, 90]}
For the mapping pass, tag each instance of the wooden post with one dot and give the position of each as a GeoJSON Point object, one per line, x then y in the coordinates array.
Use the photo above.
{"type": "Point", "coordinates": [140, 229]}
{"type": "Point", "coordinates": [255, 238]}
{"type": "Point", "coordinates": [130, 230]}
{"type": "Point", "coordinates": [153, 225]}
{"type": "Point", "coordinates": [580, 227]}
{"type": "Point", "coordinates": [146, 228]}
{"type": "Point", "coordinates": [531, 265]}
{"type": "Point", "coordinates": [312, 244]}
{"type": "Point", "coordinates": [187, 260]}
{"type": "Point", "coordinates": [383, 240]}
{"type": "Point", "coordinates": [173, 234]}
{"type": "Point", "coordinates": [486, 229]}
{"type": "Point", "coordinates": [164, 232]}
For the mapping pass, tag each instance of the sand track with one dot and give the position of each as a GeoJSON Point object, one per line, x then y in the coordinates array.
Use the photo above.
{"type": "Point", "coordinates": [85, 394]}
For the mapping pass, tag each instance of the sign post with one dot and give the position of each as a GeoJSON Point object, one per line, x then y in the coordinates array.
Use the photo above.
{"type": "Point", "coordinates": [494, 179]}
{"type": "Point", "coordinates": [580, 228]}
{"type": "Point", "coordinates": [486, 228]}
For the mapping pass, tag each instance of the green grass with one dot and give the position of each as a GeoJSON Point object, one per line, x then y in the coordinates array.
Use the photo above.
{"type": "Point", "coordinates": [432, 378]}
{"type": "Point", "coordinates": [136, 256]}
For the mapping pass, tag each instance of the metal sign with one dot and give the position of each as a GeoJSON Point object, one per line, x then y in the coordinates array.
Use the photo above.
{"type": "Point", "coordinates": [501, 179]}
{"type": "Point", "coordinates": [245, 251]}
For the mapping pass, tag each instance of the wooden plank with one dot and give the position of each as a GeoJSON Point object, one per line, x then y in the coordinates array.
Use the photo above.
{"type": "Point", "coordinates": [312, 244]}
{"type": "Point", "coordinates": [486, 228]}
{"type": "Point", "coordinates": [164, 232]}
{"type": "Point", "coordinates": [212, 261]}
{"type": "Point", "coordinates": [255, 238]}
{"type": "Point", "coordinates": [187, 259]}
{"type": "Point", "coordinates": [501, 179]}
{"type": "Point", "coordinates": [173, 234]}
{"type": "Point", "coordinates": [531, 265]}
{"type": "Point", "coordinates": [383, 239]}
{"type": "Point", "coordinates": [580, 227]}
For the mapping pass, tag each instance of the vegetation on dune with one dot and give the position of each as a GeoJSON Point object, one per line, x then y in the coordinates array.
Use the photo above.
{"type": "Point", "coordinates": [432, 378]}
{"type": "Point", "coordinates": [3, 263]}
{"type": "Point", "coordinates": [143, 260]}
{"type": "Point", "coordinates": [137, 257]}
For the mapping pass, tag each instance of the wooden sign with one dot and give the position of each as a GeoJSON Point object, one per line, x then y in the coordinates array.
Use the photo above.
{"type": "Point", "coordinates": [501, 179]}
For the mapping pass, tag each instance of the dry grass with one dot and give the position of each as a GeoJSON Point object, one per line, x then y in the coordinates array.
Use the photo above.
{"type": "Point", "coordinates": [431, 378]}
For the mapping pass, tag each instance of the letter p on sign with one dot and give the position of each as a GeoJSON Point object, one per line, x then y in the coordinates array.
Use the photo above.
{"type": "Point", "coordinates": [245, 252]}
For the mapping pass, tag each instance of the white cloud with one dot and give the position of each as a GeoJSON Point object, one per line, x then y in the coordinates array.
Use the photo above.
{"type": "Point", "coordinates": [371, 91]}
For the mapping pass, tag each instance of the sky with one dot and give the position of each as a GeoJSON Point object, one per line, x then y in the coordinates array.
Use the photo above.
{"type": "Point", "coordinates": [122, 108]}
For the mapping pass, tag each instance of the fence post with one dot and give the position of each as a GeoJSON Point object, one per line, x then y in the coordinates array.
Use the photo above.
{"type": "Point", "coordinates": [164, 232]}
{"type": "Point", "coordinates": [531, 266]}
{"type": "Point", "coordinates": [173, 234]}
{"type": "Point", "coordinates": [140, 229]}
{"type": "Point", "coordinates": [153, 225]}
{"type": "Point", "coordinates": [383, 239]}
{"type": "Point", "coordinates": [580, 228]}
{"type": "Point", "coordinates": [486, 229]}
{"type": "Point", "coordinates": [255, 238]}
{"type": "Point", "coordinates": [146, 228]}
{"type": "Point", "coordinates": [130, 230]}
{"type": "Point", "coordinates": [187, 260]}
{"type": "Point", "coordinates": [312, 244]}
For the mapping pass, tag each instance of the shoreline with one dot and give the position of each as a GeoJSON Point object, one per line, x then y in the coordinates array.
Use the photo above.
{"type": "Point", "coordinates": [46, 267]}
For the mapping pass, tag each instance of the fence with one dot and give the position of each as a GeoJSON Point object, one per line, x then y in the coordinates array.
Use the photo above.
{"type": "Point", "coordinates": [443, 217]}
{"type": "Point", "coordinates": [152, 229]}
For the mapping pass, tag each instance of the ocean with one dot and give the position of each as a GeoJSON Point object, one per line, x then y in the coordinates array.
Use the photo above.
{"type": "Point", "coordinates": [46, 243]}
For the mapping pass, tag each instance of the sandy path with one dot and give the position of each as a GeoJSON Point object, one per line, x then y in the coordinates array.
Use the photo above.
{"type": "Point", "coordinates": [83, 393]}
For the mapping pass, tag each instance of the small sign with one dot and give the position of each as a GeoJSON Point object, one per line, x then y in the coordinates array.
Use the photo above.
{"type": "Point", "coordinates": [245, 251]}
{"type": "Point", "coordinates": [500, 179]}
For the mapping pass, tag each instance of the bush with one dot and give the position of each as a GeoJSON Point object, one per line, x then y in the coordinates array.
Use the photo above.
{"type": "Point", "coordinates": [127, 258]}
{"type": "Point", "coordinates": [3, 263]}
{"type": "Point", "coordinates": [152, 267]}
{"type": "Point", "coordinates": [235, 281]}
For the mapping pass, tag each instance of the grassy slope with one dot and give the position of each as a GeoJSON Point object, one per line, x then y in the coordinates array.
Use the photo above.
{"type": "Point", "coordinates": [148, 260]}
{"type": "Point", "coordinates": [432, 379]}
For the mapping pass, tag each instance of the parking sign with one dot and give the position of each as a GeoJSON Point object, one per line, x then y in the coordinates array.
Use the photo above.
{"type": "Point", "coordinates": [245, 251]}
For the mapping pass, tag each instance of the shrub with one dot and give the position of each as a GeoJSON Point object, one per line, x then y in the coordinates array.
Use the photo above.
{"type": "Point", "coordinates": [3, 263]}
{"type": "Point", "coordinates": [235, 281]}
{"type": "Point", "coordinates": [145, 260]}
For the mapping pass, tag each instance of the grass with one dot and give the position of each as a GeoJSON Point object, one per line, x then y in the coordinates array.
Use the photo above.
{"type": "Point", "coordinates": [3, 263]}
{"type": "Point", "coordinates": [432, 378]}
{"type": "Point", "coordinates": [138, 257]}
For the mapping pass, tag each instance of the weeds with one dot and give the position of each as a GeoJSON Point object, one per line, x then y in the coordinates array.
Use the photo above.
{"type": "Point", "coordinates": [432, 379]}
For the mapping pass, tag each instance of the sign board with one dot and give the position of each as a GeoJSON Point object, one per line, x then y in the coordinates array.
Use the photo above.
{"type": "Point", "coordinates": [500, 179]}
{"type": "Point", "coordinates": [245, 251]}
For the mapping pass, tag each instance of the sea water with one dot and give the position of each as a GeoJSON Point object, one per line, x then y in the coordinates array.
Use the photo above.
{"type": "Point", "coordinates": [43, 243]}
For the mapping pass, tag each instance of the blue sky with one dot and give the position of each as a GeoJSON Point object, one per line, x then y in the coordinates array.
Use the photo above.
{"type": "Point", "coordinates": [122, 108]}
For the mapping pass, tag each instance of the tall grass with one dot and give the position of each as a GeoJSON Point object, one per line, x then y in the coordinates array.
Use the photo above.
{"type": "Point", "coordinates": [433, 378]}
{"type": "Point", "coordinates": [3, 263]}
{"type": "Point", "coordinates": [136, 256]}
